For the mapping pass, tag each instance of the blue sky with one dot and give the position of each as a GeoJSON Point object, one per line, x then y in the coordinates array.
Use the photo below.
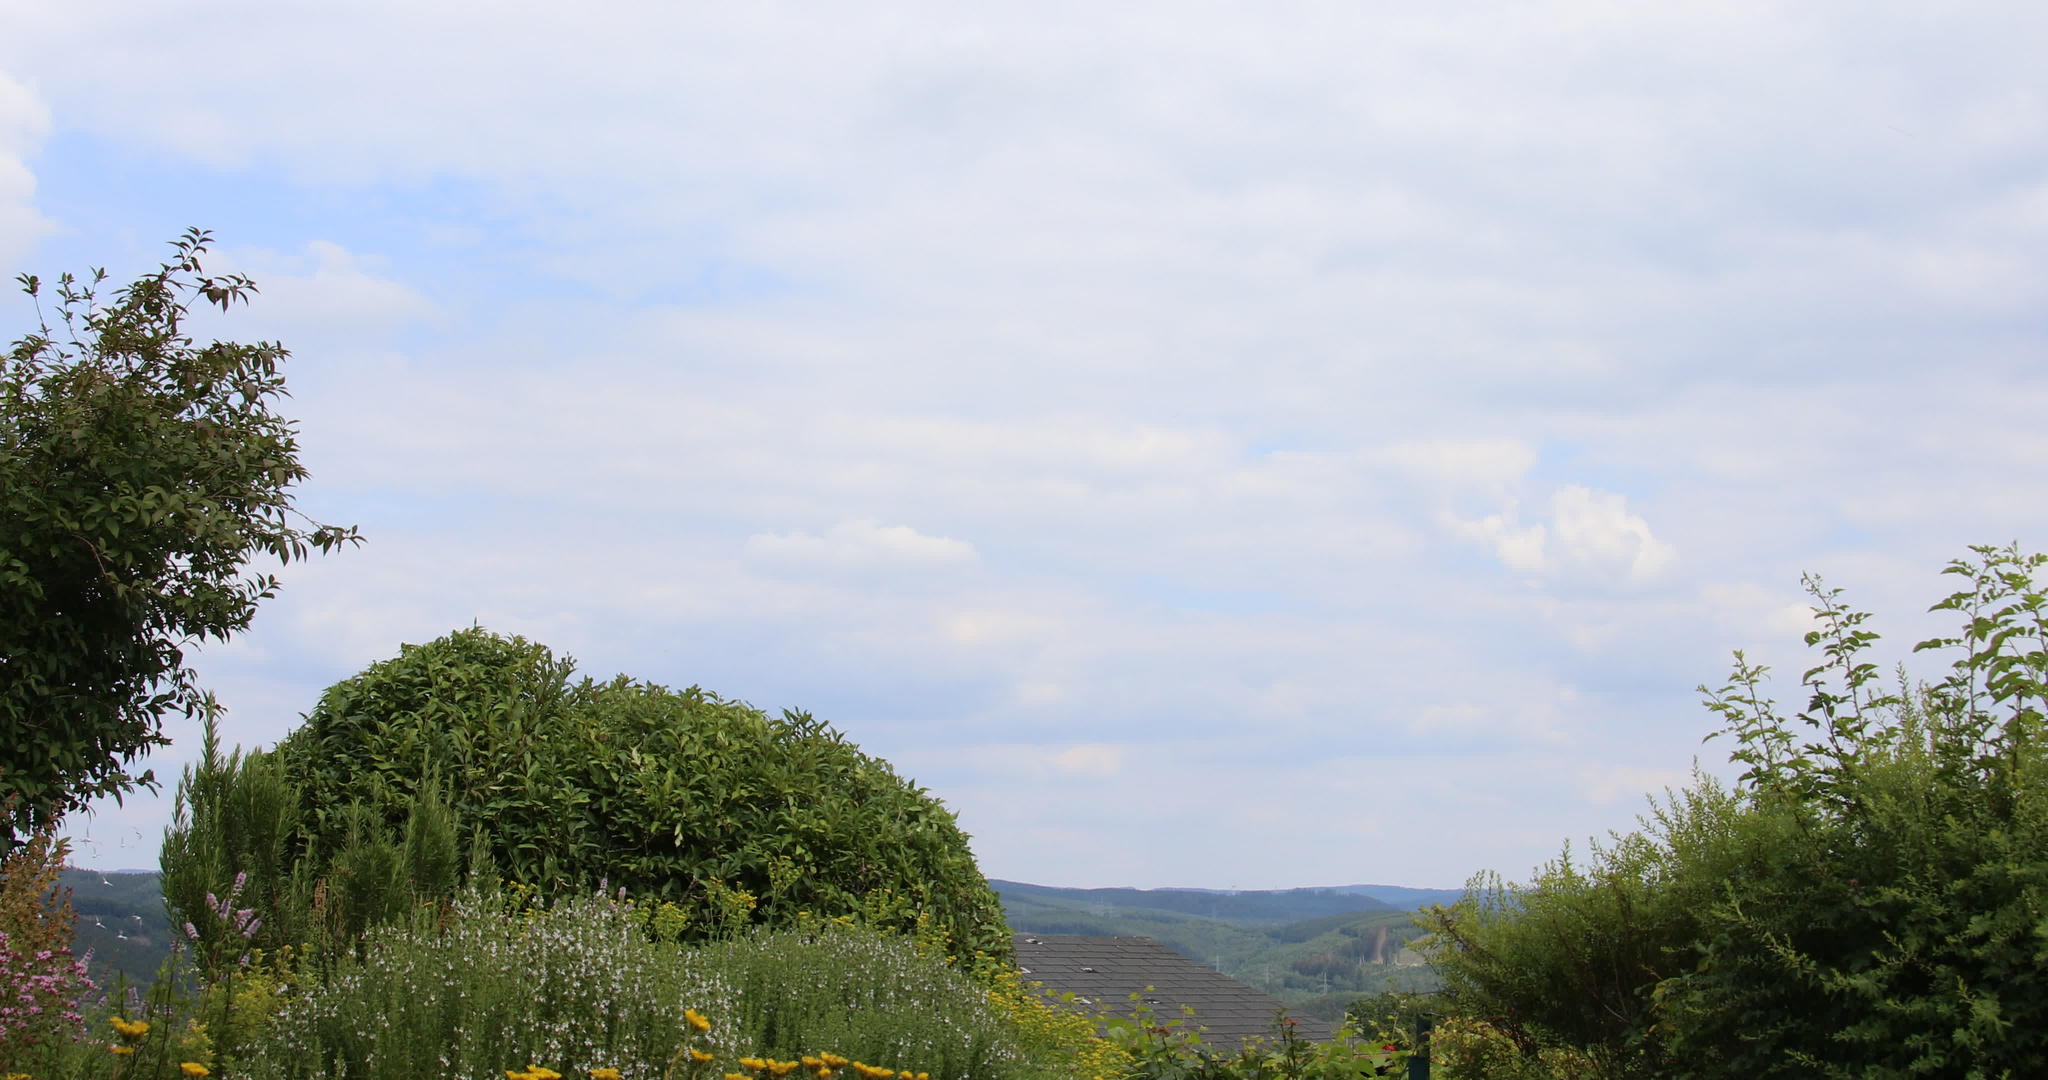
{"type": "Point", "coordinates": [1206, 444]}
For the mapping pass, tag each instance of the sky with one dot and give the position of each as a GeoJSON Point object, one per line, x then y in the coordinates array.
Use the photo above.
{"type": "Point", "coordinates": [1205, 444]}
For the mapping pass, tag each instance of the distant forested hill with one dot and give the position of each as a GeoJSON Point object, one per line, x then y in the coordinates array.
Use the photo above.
{"type": "Point", "coordinates": [121, 919]}
{"type": "Point", "coordinates": [1316, 949]}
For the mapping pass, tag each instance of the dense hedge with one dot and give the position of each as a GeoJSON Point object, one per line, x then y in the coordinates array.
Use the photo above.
{"type": "Point", "coordinates": [1869, 900]}
{"type": "Point", "coordinates": [482, 750]}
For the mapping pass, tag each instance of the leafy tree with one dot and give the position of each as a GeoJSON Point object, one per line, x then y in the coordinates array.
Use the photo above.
{"type": "Point", "coordinates": [1569, 962]}
{"type": "Point", "coordinates": [735, 817]}
{"type": "Point", "coordinates": [1899, 926]}
{"type": "Point", "coordinates": [140, 473]}
{"type": "Point", "coordinates": [1871, 900]}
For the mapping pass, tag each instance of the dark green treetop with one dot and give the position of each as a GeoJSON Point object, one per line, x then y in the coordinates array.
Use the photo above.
{"type": "Point", "coordinates": [140, 474]}
{"type": "Point", "coordinates": [736, 817]}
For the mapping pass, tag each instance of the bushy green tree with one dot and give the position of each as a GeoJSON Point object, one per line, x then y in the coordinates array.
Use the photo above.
{"type": "Point", "coordinates": [1871, 900]}
{"type": "Point", "coordinates": [1570, 961]}
{"type": "Point", "coordinates": [1900, 924]}
{"type": "Point", "coordinates": [140, 473]}
{"type": "Point", "coordinates": [736, 817]}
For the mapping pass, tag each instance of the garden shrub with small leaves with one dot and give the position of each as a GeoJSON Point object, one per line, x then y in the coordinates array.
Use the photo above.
{"type": "Point", "coordinates": [1870, 900]}
{"type": "Point", "coordinates": [41, 983]}
{"type": "Point", "coordinates": [478, 749]}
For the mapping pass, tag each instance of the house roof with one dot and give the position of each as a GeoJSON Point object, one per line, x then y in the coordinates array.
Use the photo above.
{"type": "Point", "coordinates": [1105, 971]}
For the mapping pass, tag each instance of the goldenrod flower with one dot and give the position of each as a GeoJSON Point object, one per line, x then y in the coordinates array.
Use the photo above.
{"type": "Point", "coordinates": [696, 1020]}
{"type": "Point", "coordinates": [193, 1068]}
{"type": "Point", "coordinates": [735, 1076]}
{"type": "Point", "coordinates": [810, 1062]}
{"type": "Point", "coordinates": [833, 1060]}
{"type": "Point", "coordinates": [753, 1063]}
{"type": "Point", "coordinates": [123, 1051]}
{"type": "Point", "coordinates": [606, 1073]}
{"type": "Point", "coordinates": [782, 1068]}
{"type": "Point", "coordinates": [701, 1055]}
{"type": "Point", "coordinates": [133, 1029]}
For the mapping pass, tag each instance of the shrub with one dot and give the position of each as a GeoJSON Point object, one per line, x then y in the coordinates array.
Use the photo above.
{"type": "Point", "coordinates": [1570, 960]}
{"type": "Point", "coordinates": [580, 983]}
{"type": "Point", "coordinates": [1870, 901]}
{"type": "Point", "coordinates": [1054, 1032]}
{"type": "Point", "coordinates": [474, 989]}
{"type": "Point", "coordinates": [1899, 924]}
{"type": "Point", "coordinates": [738, 818]}
{"type": "Point", "coordinates": [41, 983]}
{"type": "Point", "coordinates": [875, 997]}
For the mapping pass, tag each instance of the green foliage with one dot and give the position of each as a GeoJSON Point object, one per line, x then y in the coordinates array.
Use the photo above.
{"type": "Point", "coordinates": [1871, 901]}
{"type": "Point", "coordinates": [482, 986]}
{"type": "Point", "coordinates": [737, 818]}
{"type": "Point", "coordinates": [40, 981]}
{"type": "Point", "coordinates": [139, 475]}
{"type": "Point", "coordinates": [121, 924]}
{"type": "Point", "coordinates": [1898, 926]}
{"type": "Point", "coordinates": [1053, 1027]}
{"type": "Point", "coordinates": [870, 996]}
{"type": "Point", "coordinates": [232, 836]}
{"type": "Point", "coordinates": [1172, 1048]}
{"type": "Point", "coordinates": [476, 989]}
{"type": "Point", "coordinates": [1316, 950]}
{"type": "Point", "coordinates": [1571, 959]}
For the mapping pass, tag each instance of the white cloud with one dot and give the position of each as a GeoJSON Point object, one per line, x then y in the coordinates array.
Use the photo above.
{"type": "Point", "coordinates": [860, 544]}
{"type": "Point", "coordinates": [24, 120]}
{"type": "Point", "coordinates": [1625, 784]}
{"type": "Point", "coordinates": [326, 290]}
{"type": "Point", "coordinates": [1519, 547]}
{"type": "Point", "coordinates": [1595, 530]}
{"type": "Point", "coordinates": [1001, 377]}
{"type": "Point", "coordinates": [1490, 467]}
{"type": "Point", "coordinates": [1590, 535]}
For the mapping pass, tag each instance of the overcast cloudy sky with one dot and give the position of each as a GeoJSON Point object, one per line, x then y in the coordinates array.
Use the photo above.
{"type": "Point", "coordinates": [1243, 445]}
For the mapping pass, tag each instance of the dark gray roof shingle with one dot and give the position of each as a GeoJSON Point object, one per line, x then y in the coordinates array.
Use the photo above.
{"type": "Point", "coordinates": [1106, 971]}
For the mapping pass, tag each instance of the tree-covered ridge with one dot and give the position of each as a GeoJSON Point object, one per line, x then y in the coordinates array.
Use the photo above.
{"type": "Point", "coordinates": [1288, 943]}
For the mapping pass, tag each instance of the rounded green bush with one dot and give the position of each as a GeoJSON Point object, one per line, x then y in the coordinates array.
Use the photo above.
{"type": "Point", "coordinates": [736, 817]}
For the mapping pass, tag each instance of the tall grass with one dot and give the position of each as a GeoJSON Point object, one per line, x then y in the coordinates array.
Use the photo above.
{"type": "Point", "coordinates": [473, 989]}
{"type": "Point", "coordinates": [482, 986]}
{"type": "Point", "coordinates": [870, 996]}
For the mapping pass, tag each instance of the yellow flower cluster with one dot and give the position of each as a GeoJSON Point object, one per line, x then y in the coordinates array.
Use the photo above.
{"type": "Point", "coordinates": [823, 1066]}
{"type": "Point", "coordinates": [542, 1072]}
{"type": "Point", "coordinates": [132, 1029]}
{"type": "Point", "coordinates": [194, 1069]}
{"type": "Point", "coordinates": [696, 1020]}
